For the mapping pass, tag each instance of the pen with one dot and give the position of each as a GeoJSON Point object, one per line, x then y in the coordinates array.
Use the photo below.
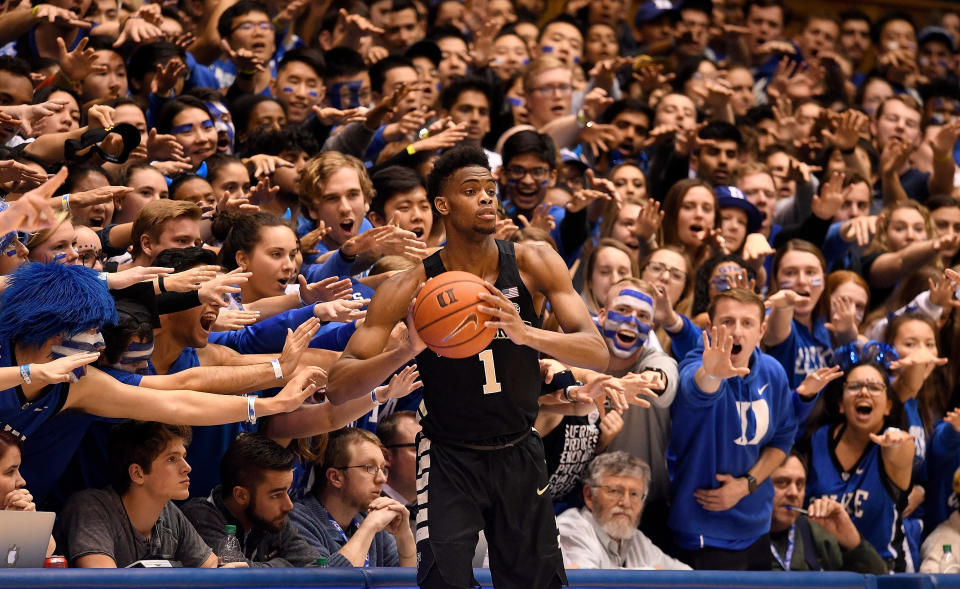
{"type": "Point", "coordinates": [797, 509]}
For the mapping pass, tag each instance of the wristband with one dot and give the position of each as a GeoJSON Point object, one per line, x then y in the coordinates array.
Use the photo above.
{"type": "Point", "coordinates": [35, 10]}
{"type": "Point", "coordinates": [581, 119]}
{"type": "Point", "coordinates": [373, 397]}
{"type": "Point", "coordinates": [566, 392]}
{"type": "Point", "coordinates": [943, 159]}
{"type": "Point", "coordinates": [277, 369]}
{"type": "Point", "coordinates": [710, 376]}
{"type": "Point", "coordinates": [751, 483]}
{"type": "Point", "coordinates": [251, 409]}
{"type": "Point", "coordinates": [160, 284]}
{"type": "Point", "coordinates": [103, 276]}
{"type": "Point", "coordinates": [677, 325]}
{"type": "Point", "coordinates": [25, 373]}
{"type": "Point", "coordinates": [65, 202]}
{"type": "Point", "coordinates": [411, 149]}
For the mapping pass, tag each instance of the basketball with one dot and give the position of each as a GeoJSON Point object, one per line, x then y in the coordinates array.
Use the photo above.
{"type": "Point", "coordinates": [447, 318]}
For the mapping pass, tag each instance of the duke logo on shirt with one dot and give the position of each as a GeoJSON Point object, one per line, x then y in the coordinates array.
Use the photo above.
{"type": "Point", "coordinates": [761, 421]}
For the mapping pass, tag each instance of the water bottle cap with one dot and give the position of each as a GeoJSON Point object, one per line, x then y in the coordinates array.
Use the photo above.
{"type": "Point", "coordinates": [230, 529]}
{"type": "Point", "coordinates": [322, 561]}
{"type": "Point", "coordinates": [947, 548]}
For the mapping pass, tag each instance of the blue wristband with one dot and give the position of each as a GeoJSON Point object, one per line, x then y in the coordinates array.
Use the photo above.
{"type": "Point", "coordinates": [25, 373]}
{"type": "Point", "coordinates": [251, 409]}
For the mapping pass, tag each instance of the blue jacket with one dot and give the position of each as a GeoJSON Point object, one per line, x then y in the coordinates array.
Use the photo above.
{"type": "Point", "coordinates": [725, 432]}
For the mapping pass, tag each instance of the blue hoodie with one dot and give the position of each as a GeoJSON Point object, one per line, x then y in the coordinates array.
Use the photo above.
{"type": "Point", "coordinates": [725, 432]}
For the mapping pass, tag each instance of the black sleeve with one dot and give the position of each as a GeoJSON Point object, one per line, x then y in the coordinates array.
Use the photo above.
{"type": "Point", "coordinates": [174, 302]}
{"type": "Point", "coordinates": [666, 169]}
{"type": "Point", "coordinates": [574, 230]}
{"type": "Point", "coordinates": [812, 229]}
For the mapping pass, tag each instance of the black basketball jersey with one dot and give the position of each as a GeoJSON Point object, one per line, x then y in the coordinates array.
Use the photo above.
{"type": "Point", "coordinates": [490, 396]}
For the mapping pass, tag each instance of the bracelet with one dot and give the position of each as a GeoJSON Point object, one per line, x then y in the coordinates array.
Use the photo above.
{"type": "Point", "coordinates": [277, 369]}
{"type": "Point", "coordinates": [942, 160]}
{"type": "Point", "coordinates": [411, 149]}
{"type": "Point", "coordinates": [34, 10]}
{"type": "Point", "coordinates": [677, 325]}
{"type": "Point", "coordinates": [25, 373]}
{"type": "Point", "coordinates": [303, 303]}
{"type": "Point", "coordinates": [247, 73]}
{"type": "Point", "coordinates": [65, 202]}
{"type": "Point", "coordinates": [566, 392]}
{"type": "Point", "coordinates": [251, 409]}
{"type": "Point", "coordinates": [373, 397]}
{"type": "Point", "coordinates": [160, 284]}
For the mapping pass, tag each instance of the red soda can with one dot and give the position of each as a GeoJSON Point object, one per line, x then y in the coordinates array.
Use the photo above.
{"type": "Point", "coordinates": [55, 562]}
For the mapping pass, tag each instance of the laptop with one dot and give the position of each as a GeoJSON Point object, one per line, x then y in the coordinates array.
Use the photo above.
{"type": "Point", "coordinates": [24, 536]}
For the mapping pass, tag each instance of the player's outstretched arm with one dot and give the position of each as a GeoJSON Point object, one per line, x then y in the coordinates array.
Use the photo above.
{"type": "Point", "coordinates": [580, 343]}
{"type": "Point", "coordinates": [364, 365]}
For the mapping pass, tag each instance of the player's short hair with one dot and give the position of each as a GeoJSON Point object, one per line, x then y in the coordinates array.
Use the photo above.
{"type": "Point", "coordinates": [462, 156]}
{"type": "Point", "coordinates": [741, 295]}
{"type": "Point", "coordinates": [616, 464]}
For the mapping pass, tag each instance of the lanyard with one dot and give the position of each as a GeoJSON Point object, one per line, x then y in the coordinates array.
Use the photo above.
{"type": "Point", "coordinates": [790, 546]}
{"type": "Point", "coordinates": [356, 524]}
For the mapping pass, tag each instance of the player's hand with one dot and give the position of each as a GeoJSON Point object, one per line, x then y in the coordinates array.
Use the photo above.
{"type": "Point", "coordinates": [504, 315]}
{"type": "Point", "coordinates": [729, 493]}
{"type": "Point", "coordinates": [833, 518]}
{"type": "Point", "coordinates": [416, 344]}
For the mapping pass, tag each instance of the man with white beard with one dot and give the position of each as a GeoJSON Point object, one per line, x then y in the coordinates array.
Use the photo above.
{"type": "Point", "coordinates": [604, 534]}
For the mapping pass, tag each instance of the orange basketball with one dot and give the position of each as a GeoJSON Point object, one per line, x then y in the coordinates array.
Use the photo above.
{"type": "Point", "coordinates": [447, 318]}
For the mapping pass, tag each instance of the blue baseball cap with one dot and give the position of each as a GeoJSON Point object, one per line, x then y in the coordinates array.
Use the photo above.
{"type": "Point", "coordinates": [731, 196]}
{"type": "Point", "coordinates": [652, 10]}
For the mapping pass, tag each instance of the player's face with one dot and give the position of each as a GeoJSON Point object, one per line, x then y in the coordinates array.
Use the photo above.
{"type": "Point", "coordinates": [469, 200]}
{"type": "Point", "coordinates": [789, 488]}
{"type": "Point", "coordinates": [744, 322]}
{"type": "Point", "coordinates": [617, 503]}
{"type": "Point", "coordinates": [360, 487]}
{"type": "Point", "coordinates": [10, 478]}
{"type": "Point", "coordinates": [269, 501]}
{"type": "Point", "coordinates": [169, 475]}
{"type": "Point", "coordinates": [865, 399]}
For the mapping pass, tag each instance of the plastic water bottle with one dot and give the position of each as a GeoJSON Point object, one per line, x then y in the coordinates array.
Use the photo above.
{"type": "Point", "coordinates": [230, 547]}
{"type": "Point", "coordinates": [948, 562]}
{"type": "Point", "coordinates": [322, 562]}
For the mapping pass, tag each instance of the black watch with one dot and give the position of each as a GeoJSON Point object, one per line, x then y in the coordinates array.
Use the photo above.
{"type": "Point", "coordinates": [751, 483]}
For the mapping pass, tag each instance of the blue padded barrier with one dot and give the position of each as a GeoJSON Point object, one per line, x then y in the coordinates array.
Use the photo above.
{"type": "Point", "coordinates": [406, 578]}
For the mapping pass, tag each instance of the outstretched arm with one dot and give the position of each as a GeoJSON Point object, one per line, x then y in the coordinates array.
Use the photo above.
{"type": "Point", "coordinates": [365, 364]}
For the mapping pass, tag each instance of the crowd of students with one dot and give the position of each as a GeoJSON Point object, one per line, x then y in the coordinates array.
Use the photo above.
{"type": "Point", "coordinates": [201, 198]}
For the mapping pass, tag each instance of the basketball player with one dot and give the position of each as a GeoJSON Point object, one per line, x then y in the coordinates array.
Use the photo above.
{"type": "Point", "coordinates": [480, 465]}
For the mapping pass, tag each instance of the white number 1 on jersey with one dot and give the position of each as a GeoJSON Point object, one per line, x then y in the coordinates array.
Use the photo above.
{"type": "Point", "coordinates": [490, 385]}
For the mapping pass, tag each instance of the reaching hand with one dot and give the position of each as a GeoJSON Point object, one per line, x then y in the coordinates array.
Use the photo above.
{"type": "Point", "coordinates": [891, 438]}
{"type": "Point", "coordinates": [756, 247]}
{"type": "Point", "coordinates": [308, 243]}
{"type": "Point", "coordinates": [215, 290]}
{"type": "Point", "coordinates": [191, 279]}
{"type": "Point", "coordinates": [859, 230]}
{"type": "Point", "coordinates": [953, 418]}
{"type": "Point", "coordinates": [782, 299]}
{"type": "Point", "coordinates": [846, 129]}
{"type": "Point", "coordinates": [61, 369]}
{"type": "Point", "coordinates": [233, 319]}
{"type": "Point", "coordinates": [135, 274]}
{"type": "Point", "coordinates": [167, 76]}
{"type": "Point", "coordinates": [329, 289]}
{"type": "Point", "coordinates": [717, 348]}
{"type": "Point", "coordinates": [401, 384]}
{"type": "Point", "coordinates": [942, 293]}
{"type": "Point", "coordinates": [76, 65]}
{"type": "Point", "coordinates": [296, 343]}
{"type": "Point", "coordinates": [541, 217]}
{"type": "Point", "coordinates": [814, 382]}
{"type": "Point", "coordinates": [649, 220]}
{"type": "Point", "coordinates": [844, 321]}
{"type": "Point", "coordinates": [138, 30]}
{"type": "Point", "coordinates": [832, 194]}
{"type": "Point", "coordinates": [341, 310]}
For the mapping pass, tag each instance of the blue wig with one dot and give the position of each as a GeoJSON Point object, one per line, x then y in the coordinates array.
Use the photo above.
{"type": "Point", "coordinates": [47, 300]}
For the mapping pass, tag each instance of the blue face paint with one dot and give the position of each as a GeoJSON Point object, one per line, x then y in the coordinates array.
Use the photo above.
{"type": "Point", "coordinates": [223, 126]}
{"type": "Point", "coordinates": [180, 129]}
{"type": "Point", "coordinates": [627, 325]}
{"type": "Point", "coordinates": [58, 258]}
{"type": "Point", "coordinates": [135, 359]}
{"type": "Point", "coordinates": [79, 343]}
{"type": "Point", "coordinates": [313, 94]}
{"type": "Point", "coordinates": [546, 49]}
{"type": "Point", "coordinates": [526, 62]}
{"type": "Point", "coordinates": [207, 124]}
{"type": "Point", "coordinates": [287, 90]}
{"type": "Point", "coordinates": [517, 102]}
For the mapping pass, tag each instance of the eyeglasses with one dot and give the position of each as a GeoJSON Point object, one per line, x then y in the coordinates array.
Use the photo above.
{"type": "Point", "coordinates": [550, 90]}
{"type": "Point", "coordinates": [872, 386]}
{"type": "Point", "coordinates": [410, 445]}
{"type": "Point", "coordinates": [518, 172]}
{"type": "Point", "coordinates": [90, 257]}
{"type": "Point", "coordinates": [248, 26]}
{"type": "Point", "coordinates": [675, 273]}
{"type": "Point", "coordinates": [618, 493]}
{"type": "Point", "coordinates": [372, 469]}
